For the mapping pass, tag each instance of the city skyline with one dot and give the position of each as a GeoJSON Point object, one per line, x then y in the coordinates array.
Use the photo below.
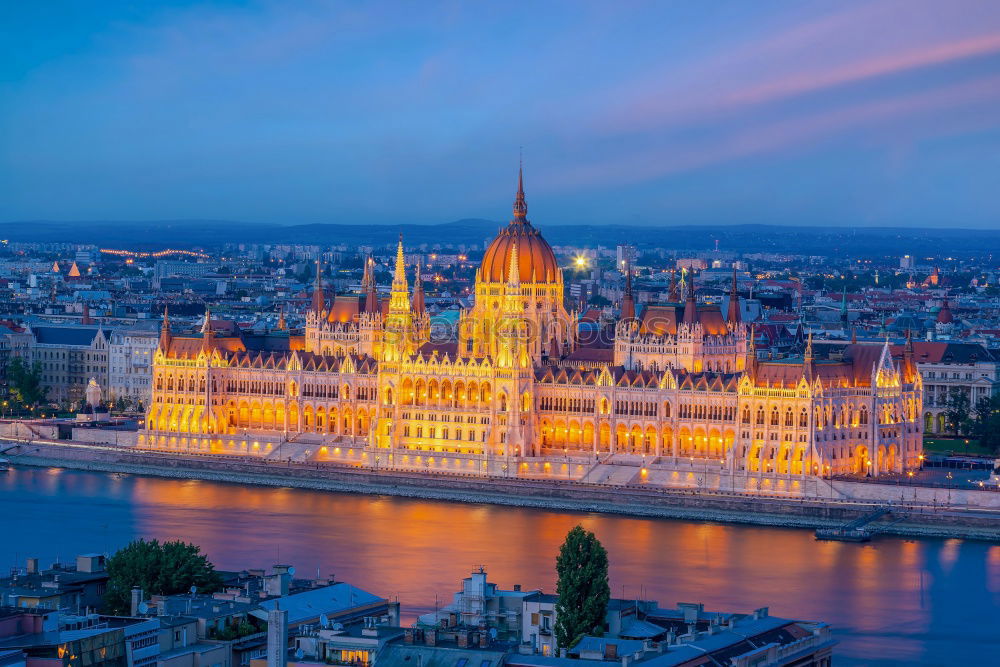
{"type": "Point", "coordinates": [855, 114]}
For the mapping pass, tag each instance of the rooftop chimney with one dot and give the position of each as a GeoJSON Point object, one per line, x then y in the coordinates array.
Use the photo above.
{"type": "Point", "coordinates": [277, 637]}
{"type": "Point", "coordinates": [32, 566]}
{"type": "Point", "coordinates": [136, 601]}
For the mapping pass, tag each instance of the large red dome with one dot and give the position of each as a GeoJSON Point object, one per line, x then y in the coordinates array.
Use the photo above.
{"type": "Point", "coordinates": [536, 263]}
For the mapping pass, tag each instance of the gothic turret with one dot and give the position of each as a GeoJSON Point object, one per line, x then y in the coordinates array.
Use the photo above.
{"type": "Point", "coordinates": [751, 361]}
{"type": "Point", "coordinates": [674, 295]}
{"type": "Point", "coordinates": [690, 305]}
{"type": "Point", "coordinates": [318, 299]}
{"type": "Point", "coordinates": [369, 288]}
{"type": "Point", "coordinates": [807, 359]}
{"type": "Point", "coordinates": [206, 330]}
{"type": "Point", "coordinates": [399, 297]}
{"type": "Point", "coordinates": [165, 331]}
{"type": "Point", "coordinates": [418, 292]}
{"type": "Point", "coordinates": [909, 362]}
{"type": "Point", "coordinates": [628, 302]}
{"type": "Point", "coordinates": [733, 316]}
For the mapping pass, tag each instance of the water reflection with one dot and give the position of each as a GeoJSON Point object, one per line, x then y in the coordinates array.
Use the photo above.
{"type": "Point", "coordinates": [923, 601]}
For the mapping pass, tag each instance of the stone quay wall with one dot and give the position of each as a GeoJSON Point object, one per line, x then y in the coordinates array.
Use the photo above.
{"type": "Point", "coordinates": [911, 518]}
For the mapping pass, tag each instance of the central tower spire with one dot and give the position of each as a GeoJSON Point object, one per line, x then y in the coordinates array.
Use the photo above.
{"type": "Point", "coordinates": [399, 297]}
{"type": "Point", "coordinates": [520, 206]}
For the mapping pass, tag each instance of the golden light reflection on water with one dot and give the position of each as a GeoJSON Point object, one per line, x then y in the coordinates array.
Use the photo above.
{"type": "Point", "coordinates": [894, 597]}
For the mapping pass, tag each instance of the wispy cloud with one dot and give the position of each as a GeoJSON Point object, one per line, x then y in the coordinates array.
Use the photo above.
{"type": "Point", "coordinates": [802, 133]}
{"type": "Point", "coordinates": [892, 64]}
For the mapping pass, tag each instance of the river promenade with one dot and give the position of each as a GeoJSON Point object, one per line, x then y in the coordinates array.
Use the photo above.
{"type": "Point", "coordinates": [912, 514]}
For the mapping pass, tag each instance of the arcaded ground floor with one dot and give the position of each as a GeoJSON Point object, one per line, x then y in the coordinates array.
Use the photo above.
{"type": "Point", "coordinates": [783, 470]}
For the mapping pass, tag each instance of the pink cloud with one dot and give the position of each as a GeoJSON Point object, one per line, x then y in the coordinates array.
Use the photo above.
{"type": "Point", "coordinates": [854, 45]}
{"type": "Point", "coordinates": [656, 162]}
{"type": "Point", "coordinates": [869, 69]}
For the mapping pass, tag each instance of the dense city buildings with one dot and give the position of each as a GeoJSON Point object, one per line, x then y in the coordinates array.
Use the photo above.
{"type": "Point", "coordinates": [258, 617]}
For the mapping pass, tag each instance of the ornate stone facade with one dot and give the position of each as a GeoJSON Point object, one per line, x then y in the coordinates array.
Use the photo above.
{"type": "Point", "coordinates": [681, 384]}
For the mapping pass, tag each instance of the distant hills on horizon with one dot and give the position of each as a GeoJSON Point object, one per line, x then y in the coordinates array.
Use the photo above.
{"type": "Point", "coordinates": [742, 238]}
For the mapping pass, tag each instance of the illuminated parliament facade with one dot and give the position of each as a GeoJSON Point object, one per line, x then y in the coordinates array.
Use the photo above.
{"type": "Point", "coordinates": [515, 389]}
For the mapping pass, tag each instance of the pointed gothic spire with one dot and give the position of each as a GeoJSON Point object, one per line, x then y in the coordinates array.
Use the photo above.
{"type": "Point", "coordinates": [691, 304]}
{"type": "Point", "coordinates": [807, 358]}
{"type": "Point", "coordinates": [674, 295]}
{"type": "Point", "coordinates": [520, 206]}
{"type": "Point", "coordinates": [733, 316]}
{"type": "Point", "coordinates": [751, 360]}
{"type": "Point", "coordinates": [418, 291]}
{"type": "Point", "coordinates": [318, 299]}
{"type": "Point", "coordinates": [369, 287]}
{"type": "Point", "coordinates": [514, 269]}
{"type": "Point", "coordinates": [282, 325]}
{"type": "Point", "coordinates": [909, 365]}
{"type": "Point", "coordinates": [628, 302]}
{"type": "Point", "coordinates": [165, 331]}
{"type": "Point", "coordinates": [399, 276]}
{"type": "Point", "coordinates": [399, 296]}
{"type": "Point", "coordinates": [367, 278]}
{"type": "Point", "coordinates": [206, 330]}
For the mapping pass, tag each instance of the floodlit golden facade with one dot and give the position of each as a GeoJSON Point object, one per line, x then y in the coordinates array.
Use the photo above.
{"type": "Point", "coordinates": [516, 389]}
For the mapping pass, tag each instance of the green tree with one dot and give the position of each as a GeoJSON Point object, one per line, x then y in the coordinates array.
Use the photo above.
{"type": "Point", "coordinates": [235, 630]}
{"type": "Point", "coordinates": [958, 413]}
{"type": "Point", "coordinates": [598, 301]}
{"type": "Point", "coordinates": [986, 424]}
{"type": "Point", "coordinates": [583, 588]}
{"type": "Point", "coordinates": [157, 568]}
{"type": "Point", "coordinates": [26, 382]}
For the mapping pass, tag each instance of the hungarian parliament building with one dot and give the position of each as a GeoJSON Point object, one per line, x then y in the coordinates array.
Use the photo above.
{"type": "Point", "coordinates": [516, 391]}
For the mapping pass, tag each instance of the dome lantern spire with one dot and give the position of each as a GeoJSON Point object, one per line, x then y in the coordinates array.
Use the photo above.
{"type": "Point", "coordinates": [520, 206]}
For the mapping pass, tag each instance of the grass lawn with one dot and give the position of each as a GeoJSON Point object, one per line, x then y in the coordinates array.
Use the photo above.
{"type": "Point", "coordinates": [954, 445]}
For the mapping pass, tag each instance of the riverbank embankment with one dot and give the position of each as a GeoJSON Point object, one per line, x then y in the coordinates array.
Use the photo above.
{"type": "Point", "coordinates": [909, 519]}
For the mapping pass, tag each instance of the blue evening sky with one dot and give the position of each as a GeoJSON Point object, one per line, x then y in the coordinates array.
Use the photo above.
{"type": "Point", "coordinates": [877, 112]}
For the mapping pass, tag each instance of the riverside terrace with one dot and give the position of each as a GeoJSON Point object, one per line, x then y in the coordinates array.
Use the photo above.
{"type": "Point", "coordinates": [957, 512]}
{"type": "Point", "coordinates": [308, 451]}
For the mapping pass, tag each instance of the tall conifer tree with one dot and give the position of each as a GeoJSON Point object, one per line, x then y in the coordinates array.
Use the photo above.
{"type": "Point", "coordinates": [583, 588]}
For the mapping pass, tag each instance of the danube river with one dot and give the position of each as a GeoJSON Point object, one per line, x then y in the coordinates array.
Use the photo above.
{"type": "Point", "coordinates": [894, 600]}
